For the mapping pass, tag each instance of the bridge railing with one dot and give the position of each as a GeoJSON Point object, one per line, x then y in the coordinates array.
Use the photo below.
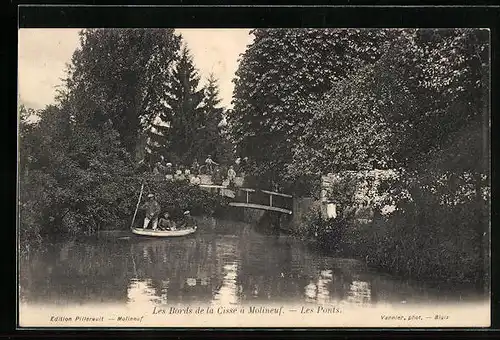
{"type": "Point", "coordinates": [280, 199]}
{"type": "Point", "coordinates": [263, 198]}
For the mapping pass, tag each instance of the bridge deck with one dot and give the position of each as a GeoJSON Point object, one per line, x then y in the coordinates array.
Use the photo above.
{"type": "Point", "coordinates": [260, 206]}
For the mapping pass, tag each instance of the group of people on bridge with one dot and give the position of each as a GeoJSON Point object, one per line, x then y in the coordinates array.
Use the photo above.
{"type": "Point", "coordinates": [191, 174]}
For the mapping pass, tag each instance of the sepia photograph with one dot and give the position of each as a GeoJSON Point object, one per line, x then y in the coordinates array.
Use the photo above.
{"type": "Point", "coordinates": [260, 177]}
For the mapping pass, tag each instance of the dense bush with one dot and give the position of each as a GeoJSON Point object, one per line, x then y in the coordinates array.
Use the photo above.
{"type": "Point", "coordinates": [327, 234]}
{"type": "Point", "coordinates": [177, 197]}
{"type": "Point", "coordinates": [437, 243]}
{"type": "Point", "coordinates": [74, 179]}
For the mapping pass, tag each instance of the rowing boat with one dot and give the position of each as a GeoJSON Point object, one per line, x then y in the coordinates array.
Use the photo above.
{"type": "Point", "coordinates": [164, 233]}
{"type": "Point", "coordinates": [182, 231]}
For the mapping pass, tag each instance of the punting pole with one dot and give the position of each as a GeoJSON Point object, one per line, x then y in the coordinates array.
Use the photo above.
{"type": "Point", "coordinates": [137, 207]}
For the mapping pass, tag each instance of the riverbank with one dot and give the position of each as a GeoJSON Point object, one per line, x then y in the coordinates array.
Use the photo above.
{"type": "Point", "coordinates": [173, 197]}
{"type": "Point", "coordinates": [437, 245]}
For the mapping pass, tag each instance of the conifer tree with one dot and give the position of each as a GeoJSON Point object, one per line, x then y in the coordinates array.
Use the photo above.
{"type": "Point", "coordinates": [175, 136]}
{"type": "Point", "coordinates": [212, 141]}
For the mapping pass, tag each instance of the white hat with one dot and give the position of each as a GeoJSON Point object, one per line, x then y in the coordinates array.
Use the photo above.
{"type": "Point", "coordinates": [169, 164]}
{"type": "Point", "coordinates": [151, 195]}
{"type": "Point", "coordinates": [186, 212]}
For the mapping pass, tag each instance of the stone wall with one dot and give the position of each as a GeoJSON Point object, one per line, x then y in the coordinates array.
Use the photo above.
{"type": "Point", "coordinates": [366, 193]}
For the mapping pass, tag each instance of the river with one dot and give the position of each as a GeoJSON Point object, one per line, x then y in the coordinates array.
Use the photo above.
{"type": "Point", "coordinates": [224, 261]}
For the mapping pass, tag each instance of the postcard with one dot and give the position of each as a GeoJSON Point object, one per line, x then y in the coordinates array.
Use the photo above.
{"type": "Point", "coordinates": [299, 177]}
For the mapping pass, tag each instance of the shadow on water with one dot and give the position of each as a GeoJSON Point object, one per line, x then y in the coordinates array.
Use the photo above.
{"type": "Point", "coordinates": [224, 262]}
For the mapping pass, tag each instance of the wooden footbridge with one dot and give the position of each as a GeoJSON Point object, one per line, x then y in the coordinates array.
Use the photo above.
{"type": "Point", "coordinates": [254, 198]}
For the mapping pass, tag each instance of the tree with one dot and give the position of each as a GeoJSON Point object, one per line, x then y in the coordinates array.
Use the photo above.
{"type": "Point", "coordinates": [78, 178]}
{"type": "Point", "coordinates": [348, 130]}
{"type": "Point", "coordinates": [121, 75]}
{"type": "Point", "coordinates": [213, 141]}
{"type": "Point", "coordinates": [422, 108]}
{"type": "Point", "coordinates": [182, 116]}
{"type": "Point", "coordinates": [425, 92]}
{"type": "Point", "coordinates": [281, 76]}
{"type": "Point", "coordinates": [26, 141]}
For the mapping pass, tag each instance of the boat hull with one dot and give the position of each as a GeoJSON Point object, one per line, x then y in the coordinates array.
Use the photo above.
{"type": "Point", "coordinates": [163, 233]}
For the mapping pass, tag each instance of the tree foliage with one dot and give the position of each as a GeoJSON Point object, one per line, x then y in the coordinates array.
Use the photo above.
{"type": "Point", "coordinates": [421, 108]}
{"type": "Point", "coordinates": [182, 116]}
{"type": "Point", "coordinates": [213, 140]}
{"type": "Point", "coordinates": [76, 179]}
{"type": "Point", "coordinates": [426, 93]}
{"type": "Point", "coordinates": [282, 74]}
{"type": "Point", "coordinates": [121, 74]}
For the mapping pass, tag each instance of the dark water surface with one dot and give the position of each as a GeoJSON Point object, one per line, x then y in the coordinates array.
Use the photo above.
{"type": "Point", "coordinates": [224, 261]}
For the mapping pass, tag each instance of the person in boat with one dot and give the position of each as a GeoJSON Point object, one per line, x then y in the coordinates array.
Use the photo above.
{"type": "Point", "coordinates": [169, 172]}
{"type": "Point", "coordinates": [153, 209]}
{"type": "Point", "coordinates": [162, 169]}
{"type": "Point", "coordinates": [156, 171]}
{"type": "Point", "coordinates": [209, 162]}
{"type": "Point", "coordinates": [187, 221]}
{"type": "Point", "coordinates": [166, 223]}
{"type": "Point", "coordinates": [161, 166]}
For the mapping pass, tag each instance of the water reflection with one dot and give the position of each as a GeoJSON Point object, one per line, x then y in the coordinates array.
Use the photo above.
{"type": "Point", "coordinates": [142, 295]}
{"type": "Point", "coordinates": [228, 292]}
{"type": "Point", "coordinates": [359, 293]}
{"type": "Point", "coordinates": [324, 281]}
{"type": "Point", "coordinates": [224, 263]}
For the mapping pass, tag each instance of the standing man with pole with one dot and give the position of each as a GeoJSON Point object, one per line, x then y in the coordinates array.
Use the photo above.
{"type": "Point", "coordinates": [153, 209]}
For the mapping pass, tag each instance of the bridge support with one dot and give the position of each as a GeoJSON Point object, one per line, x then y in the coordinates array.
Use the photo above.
{"type": "Point", "coordinates": [252, 216]}
{"type": "Point", "coordinates": [275, 220]}
{"type": "Point", "coordinates": [301, 206]}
